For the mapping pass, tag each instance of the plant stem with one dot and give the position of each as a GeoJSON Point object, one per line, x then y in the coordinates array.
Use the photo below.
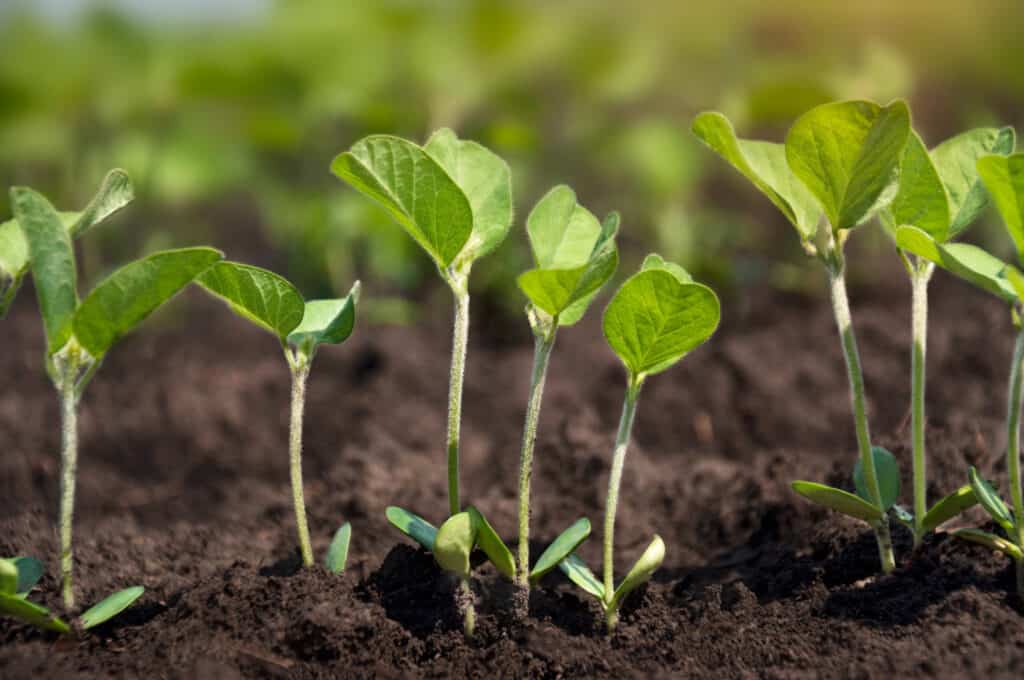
{"type": "Point", "coordinates": [464, 598]}
{"type": "Point", "coordinates": [1013, 450]}
{"type": "Point", "coordinates": [841, 308]}
{"type": "Point", "coordinates": [543, 344]}
{"type": "Point", "coordinates": [919, 283]}
{"type": "Point", "coordinates": [460, 337]}
{"type": "Point", "coordinates": [300, 372]}
{"type": "Point", "coordinates": [614, 481]}
{"type": "Point", "coordinates": [69, 467]}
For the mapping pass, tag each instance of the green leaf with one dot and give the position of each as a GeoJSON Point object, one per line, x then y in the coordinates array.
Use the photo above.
{"type": "Point", "coordinates": [967, 261]}
{"type": "Point", "coordinates": [413, 526]}
{"type": "Point", "coordinates": [989, 499]}
{"type": "Point", "coordinates": [579, 573]}
{"type": "Point", "coordinates": [1004, 178]}
{"type": "Point", "coordinates": [327, 321]}
{"type": "Point", "coordinates": [848, 155]}
{"type": "Point", "coordinates": [949, 507]}
{"type": "Point", "coordinates": [129, 295]}
{"type": "Point", "coordinates": [30, 570]}
{"type": "Point", "coordinates": [561, 548]}
{"type": "Point", "coordinates": [13, 262]}
{"type": "Point", "coordinates": [115, 192]}
{"type": "Point", "coordinates": [655, 261]}
{"type": "Point", "coordinates": [486, 181]}
{"type": "Point", "coordinates": [903, 516]}
{"type": "Point", "coordinates": [454, 543]}
{"type": "Point", "coordinates": [641, 572]}
{"type": "Point", "coordinates": [562, 232]}
{"type": "Point", "coordinates": [8, 577]}
{"type": "Point", "coordinates": [654, 320]}
{"type": "Point", "coordinates": [887, 472]}
{"type": "Point", "coordinates": [604, 261]}
{"type": "Point", "coordinates": [31, 613]}
{"type": "Point", "coordinates": [764, 164]}
{"type": "Point", "coordinates": [990, 541]}
{"type": "Point", "coordinates": [414, 189]}
{"type": "Point", "coordinates": [956, 160]}
{"type": "Point", "coordinates": [53, 263]}
{"type": "Point", "coordinates": [922, 200]}
{"type": "Point", "coordinates": [838, 500]}
{"type": "Point", "coordinates": [337, 553]}
{"type": "Point", "coordinates": [110, 607]}
{"type": "Point", "coordinates": [489, 541]}
{"type": "Point", "coordinates": [261, 296]}
{"type": "Point", "coordinates": [1016, 280]}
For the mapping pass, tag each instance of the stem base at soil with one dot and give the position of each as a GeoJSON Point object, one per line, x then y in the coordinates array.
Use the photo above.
{"type": "Point", "coordinates": [300, 373]}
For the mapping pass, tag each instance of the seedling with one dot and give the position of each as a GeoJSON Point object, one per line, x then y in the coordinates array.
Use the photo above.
{"type": "Point", "coordinates": [274, 304]}
{"type": "Point", "coordinates": [655, 319]}
{"type": "Point", "coordinates": [839, 161]}
{"type": "Point", "coordinates": [940, 193]}
{"type": "Point", "coordinates": [80, 333]}
{"type": "Point", "coordinates": [454, 198]}
{"type": "Point", "coordinates": [1003, 176]}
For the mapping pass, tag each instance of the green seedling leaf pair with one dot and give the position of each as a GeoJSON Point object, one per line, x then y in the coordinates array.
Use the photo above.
{"type": "Point", "coordinates": [19, 575]}
{"type": "Point", "coordinates": [79, 333]}
{"type": "Point", "coordinates": [274, 304]}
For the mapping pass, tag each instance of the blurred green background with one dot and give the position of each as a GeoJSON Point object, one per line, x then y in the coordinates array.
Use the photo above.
{"type": "Point", "coordinates": [227, 114]}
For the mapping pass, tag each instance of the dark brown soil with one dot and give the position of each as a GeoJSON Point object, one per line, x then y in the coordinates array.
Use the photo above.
{"type": "Point", "coordinates": [183, 488]}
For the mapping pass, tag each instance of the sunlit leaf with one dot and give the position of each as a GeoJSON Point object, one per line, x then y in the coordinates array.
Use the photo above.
{"type": "Point", "coordinates": [956, 159]}
{"type": "Point", "coordinates": [949, 507]}
{"type": "Point", "coordinates": [989, 499]}
{"type": "Point", "coordinates": [110, 607]}
{"type": "Point", "coordinates": [326, 321]}
{"type": "Point", "coordinates": [31, 613]}
{"type": "Point", "coordinates": [579, 573]}
{"type": "Point", "coordinates": [337, 552]}
{"type": "Point", "coordinates": [454, 543]}
{"type": "Point", "coordinates": [413, 526]}
{"type": "Point", "coordinates": [641, 572]}
{"type": "Point", "coordinates": [967, 261]}
{"type": "Point", "coordinates": [115, 192]}
{"type": "Point", "coordinates": [261, 296]}
{"type": "Point", "coordinates": [838, 500]}
{"type": "Point", "coordinates": [561, 548]}
{"type": "Point", "coordinates": [990, 541]}
{"type": "Point", "coordinates": [492, 545]}
{"type": "Point", "coordinates": [1004, 178]}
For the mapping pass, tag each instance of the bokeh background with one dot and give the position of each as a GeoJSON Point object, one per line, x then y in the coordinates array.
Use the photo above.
{"type": "Point", "coordinates": [228, 113]}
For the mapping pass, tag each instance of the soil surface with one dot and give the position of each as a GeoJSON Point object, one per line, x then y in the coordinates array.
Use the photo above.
{"type": "Point", "coordinates": [183, 488]}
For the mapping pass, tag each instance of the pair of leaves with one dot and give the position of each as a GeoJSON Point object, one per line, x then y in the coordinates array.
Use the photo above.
{"type": "Point", "coordinates": [114, 193]}
{"type": "Point", "coordinates": [658, 316]}
{"type": "Point", "coordinates": [579, 573]}
{"type": "Point", "coordinates": [453, 197]}
{"type": "Point", "coordinates": [574, 254]}
{"type": "Point", "coordinates": [273, 303]}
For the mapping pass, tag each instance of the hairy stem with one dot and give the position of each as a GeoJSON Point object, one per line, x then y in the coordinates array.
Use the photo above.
{"type": "Point", "coordinates": [841, 308]}
{"type": "Point", "coordinates": [1013, 444]}
{"type": "Point", "coordinates": [300, 372]}
{"type": "Point", "coordinates": [464, 600]}
{"type": "Point", "coordinates": [919, 283]}
{"type": "Point", "coordinates": [614, 481]}
{"type": "Point", "coordinates": [460, 339]}
{"type": "Point", "coordinates": [69, 466]}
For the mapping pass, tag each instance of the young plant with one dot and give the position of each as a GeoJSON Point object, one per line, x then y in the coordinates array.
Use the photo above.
{"type": "Point", "coordinates": [941, 194]}
{"type": "Point", "coordinates": [18, 575]}
{"type": "Point", "coordinates": [274, 304]}
{"type": "Point", "coordinates": [80, 333]}
{"type": "Point", "coordinates": [655, 319]}
{"type": "Point", "coordinates": [454, 198]}
{"type": "Point", "coordinates": [1003, 176]}
{"type": "Point", "coordinates": [839, 161]}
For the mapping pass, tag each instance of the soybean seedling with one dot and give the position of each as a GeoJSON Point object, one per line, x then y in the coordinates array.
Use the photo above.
{"type": "Point", "coordinates": [274, 304]}
{"type": "Point", "coordinates": [454, 198]}
{"type": "Point", "coordinates": [941, 194]}
{"type": "Point", "coordinates": [655, 319]}
{"type": "Point", "coordinates": [840, 160]}
{"type": "Point", "coordinates": [80, 333]}
{"type": "Point", "coordinates": [1003, 176]}
{"type": "Point", "coordinates": [19, 575]}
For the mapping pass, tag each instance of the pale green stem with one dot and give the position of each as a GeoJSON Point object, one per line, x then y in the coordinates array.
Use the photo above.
{"type": "Point", "coordinates": [1013, 451]}
{"type": "Point", "coordinates": [460, 338]}
{"type": "Point", "coordinates": [69, 466]}
{"type": "Point", "coordinates": [841, 308]}
{"type": "Point", "coordinates": [919, 282]}
{"type": "Point", "coordinates": [614, 481]}
{"type": "Point", "coordinates": [300, 372]}
{"type": "Point", "coordinates": [465, 600]}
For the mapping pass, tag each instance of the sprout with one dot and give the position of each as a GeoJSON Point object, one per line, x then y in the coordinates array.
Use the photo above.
{"type": "Point", "coordinates": [655, 319]}
{"type": "Point", "coordinates": [275, 305]}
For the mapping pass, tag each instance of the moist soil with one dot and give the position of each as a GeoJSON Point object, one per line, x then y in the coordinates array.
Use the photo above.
{"type": "Point", "coordinates": [183, 488]}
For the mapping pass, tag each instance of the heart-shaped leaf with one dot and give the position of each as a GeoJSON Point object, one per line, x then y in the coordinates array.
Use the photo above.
{"type": "Point", "coordinates": [31, 613]}
{"type": "Point", "coordinates": [956, 160]}
{"type": "Point", "coordinates": [838, 500]}
{"type": "Point", "coordinates": [579, 573]}
{"type": "Point", "coordinates": [129, 295]}
{"type": "Point", "coordinates": [655, 319]}
{"type": "Point", "coordinates": [765, 165]}
{"type": "Point", "coordinates": [887, 473]}
{"type": "Point", "coordinates": [990, 541]}
{"type": "Point", "coordinates": [115, 192]}
{"type": "Point", "coordinates": [261, 296]}
{"type": "Point", "coordinates": [30, 570]}
{"type": "Point", "coordinates": [454, 543]}
{"type": "Point", "coordinates": [326, 322]}
{"type": "Point", "coordinates": [641, 572]}
{"type": "Point", "coordinates": [561, 548]}
{"type": "Point", "coordinates": [989, 499]}
{"type": "Point", "coordinates": [414, 188]}
{"type": "Point", "coordinates": [8, 577]}
{"type": "Point", "coordinates": [949, 507]}
{"type": "Point", "coordinates": [967, 261]}
{"type": "Point", "coordinates": [337, 553]}
{"type": "Point", "coordinates": [848, 155]}
{"type": "Point", "coordinates": [492, 545]}
{"type": "Point", "coordinates": [1004, 178]}
{"type": "Point", "coordinates": [110, 606]}
{"type": "Point", "coordinates": [413, 526]}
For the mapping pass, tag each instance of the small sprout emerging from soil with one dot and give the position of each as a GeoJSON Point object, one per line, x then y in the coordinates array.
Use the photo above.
{"type": "Point", "coordinates": [19, 575]}
{"type": "Point", "coordinates": [454, 198]}
{"type": "Point", "coordinates": [840, 161]}
{"type": "Point", "coordinates": [941, 194]}
{"type": "Point", "coordinates": [80, 333]}
{"type": "Point", "coordinates": [655, 319]}
{"type": "Point", "coordinates": [274, 304]}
